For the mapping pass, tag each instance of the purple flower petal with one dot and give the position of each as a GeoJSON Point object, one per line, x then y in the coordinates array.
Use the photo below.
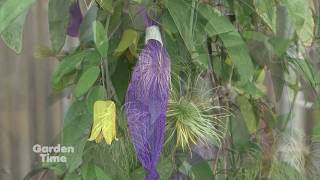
{"type": "Point", "coordinates": [146, 105]}
{"type": "Point", "coordinates": [75, 19]}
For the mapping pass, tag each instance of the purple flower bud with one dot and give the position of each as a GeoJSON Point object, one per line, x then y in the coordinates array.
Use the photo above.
{"type": "Point", "coordinates": [75, 19]}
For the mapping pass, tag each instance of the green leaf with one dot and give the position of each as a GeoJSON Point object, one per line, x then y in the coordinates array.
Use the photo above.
{"type": "Point", "coordinates": [74, 110]}
{"type": "Point", "coordinates": [91, 171]}
{"type": "Point", "coordinates": [67, 65]}
{"type": "Point", "coordinates": [203, 59]}
{"type": "Point", "coordinates": [239, 55]}
{"type": "Point", "coordinates": [307, 71]}
{"type": "Point", "coordinates": [267, 11]}
{"type": "Point", "coordinates": [218, 25]}
{"type": "Point", "coordinates": [100, 38]}
{"type": "Point", "coordinates": [256, 36]}
{"type": "Point", "coordinates": [248, 113]}
{"type": "Point", "coordinates": [12, 35]}
{"type": "Point", "coordinates": [120, 78]}
{"type": "Point", "coordinates": [106, 5]}
{"type": "Point", "coordinates": [232, 40]}
{"type": "Point", "coordinates": [202, 171]}
{"type": "Point", "coordinates": [86, 27]}
{"type": "Point", "coordinates": [100, 174]}
{"type": "Point", "coordinates": [138, 174]}
{"type": "Point", "coordinates": [129, 39]}
{"type": "Point", "coordinates": [76, 123]}
{"type": "Point", "coordinates": [10, 10]}
{"type": "Point", "coordinates": [184, 19]}
{"type": "Point", "coordinates": [300, 14]}
{"type": "Point", "coordinates": [279, 45]}
{"type": "Point", "coordinates": [164, 168]}
{"type": "Point", "coordinates": [96, 93]}
{"type": "Point", "coordinates": [74, 159]}
{"type": "Point", "coordinates": [239, 131]}
{"type": "Point", "coordinates": [75, 133]}
{"type": "Point", "coordinates": [243, 14]}
{"type": "Point", "coordinates": [250, 89]}
{"type": "Point", "coordinates": [115, 18]}
{"type": "Point", "coordinates": [167, 24]}
{"type": "Point", "coordinates": [87, 79]}
{"type": "Point", "coordinates": [92, 58]}
{"type": "Point", "coordinates": [87, 171]}
{"type": "Point", "coordinates": [181, 13]}
{"type": "Point", "coordinates": [71, 176]}
{"type": "Point", "coordinates": [58, 14]}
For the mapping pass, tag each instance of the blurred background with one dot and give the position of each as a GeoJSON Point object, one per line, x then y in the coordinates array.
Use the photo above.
{"type": "Point", "coordinates": [27, 115]}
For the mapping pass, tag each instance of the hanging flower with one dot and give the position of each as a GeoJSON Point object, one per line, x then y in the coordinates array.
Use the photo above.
{"type": "Point", "coordinates": [104, 122]}
{"type": "Point", "coordinates": [75, 19]}
{"type": "Point", "coordinates": [146, 102]}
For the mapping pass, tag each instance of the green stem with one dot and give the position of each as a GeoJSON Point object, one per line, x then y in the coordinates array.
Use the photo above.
{"type": "Point", "coordinates": [106, 80]}
{"type": "Point", "coordinates": [214, 78]}
{"type": "Point", "coordinates": [108, 83]}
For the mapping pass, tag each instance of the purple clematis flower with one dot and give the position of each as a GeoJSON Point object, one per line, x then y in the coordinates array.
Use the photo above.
{"type": "Point", "coordinates": [146, 104]}
{"type": "Point", "coordinates": [75, 19]}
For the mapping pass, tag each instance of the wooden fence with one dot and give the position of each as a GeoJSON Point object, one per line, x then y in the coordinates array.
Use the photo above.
{"type": "Point", "coordinates": [26, 118]}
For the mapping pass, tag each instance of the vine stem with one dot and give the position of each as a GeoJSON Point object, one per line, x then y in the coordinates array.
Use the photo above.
{"type": "Point", "coordinates": [108, 83]}
{"type": "Point", "coordinates": [106, 80]}
{"type": "Point", "coordinates": [215, 83]}
{"type": "Point", "coordinates": [43, 174]}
